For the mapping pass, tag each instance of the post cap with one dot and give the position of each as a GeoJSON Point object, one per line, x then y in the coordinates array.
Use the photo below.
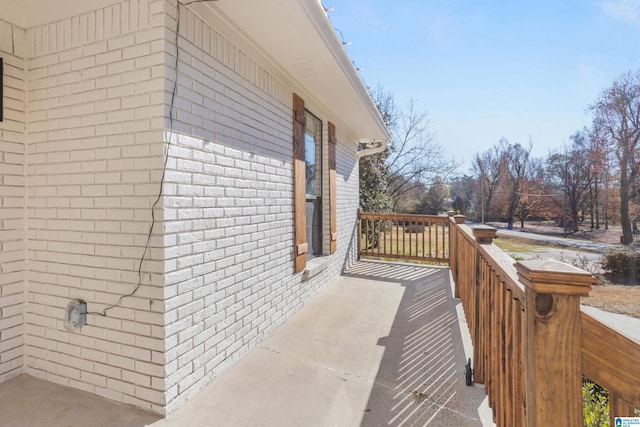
{"type": "Point", "coordinates": [459, 219]}
{"type": "Point", "coordinates": [483, 233]}
{"type": "Point", "coordinates": [550, 276]}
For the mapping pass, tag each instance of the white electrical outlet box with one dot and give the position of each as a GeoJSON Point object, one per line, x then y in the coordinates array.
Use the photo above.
{"type": "Point", "coordinates": [75, 315]}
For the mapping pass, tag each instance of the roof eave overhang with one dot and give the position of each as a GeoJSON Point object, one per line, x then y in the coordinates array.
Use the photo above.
{"type": "Point", "coordinates": [298, 42]}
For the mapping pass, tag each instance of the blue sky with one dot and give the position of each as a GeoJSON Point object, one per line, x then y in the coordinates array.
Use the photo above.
{"type": "Point", "coordinates": [490, 69]}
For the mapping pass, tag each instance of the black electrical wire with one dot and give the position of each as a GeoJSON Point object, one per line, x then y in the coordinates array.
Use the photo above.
{"type": "Point", "coordinates": [164, 167]}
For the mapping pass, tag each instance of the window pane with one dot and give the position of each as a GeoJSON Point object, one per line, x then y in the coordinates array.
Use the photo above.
{"type": "Point", "coordinates": [310, 162]}
{"type": "Point", "coordinates": [313, 163]}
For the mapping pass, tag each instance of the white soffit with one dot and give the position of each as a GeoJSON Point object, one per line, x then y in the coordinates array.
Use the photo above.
{"type": "Point", "coordinates": [13, 12]}
{"type": "Point", "coordinates": [298, 37]}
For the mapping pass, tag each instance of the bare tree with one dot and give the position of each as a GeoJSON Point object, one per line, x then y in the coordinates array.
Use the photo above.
{"type": "Point", "coordinates": [617, 118]}
{"type": "Point", "coordinates": [599, 159]}
{"type": "Point", "coordinates": [415, 157]}
{"type": "Point", "coordinates": [433, 200]}
{"type": "Point", "coordinates": [518, 169]}
{"type": "Point", "coordinates": [532, 194]}
{"type": "Point", "coordinates": [463, 191]}
{"type": "Point", "coordinates": [488, 167]}
{"type": "Point", "coordinates": [572, 172]}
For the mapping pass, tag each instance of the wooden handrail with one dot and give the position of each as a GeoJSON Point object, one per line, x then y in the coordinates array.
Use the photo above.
{"type": "Point", "coordinates": [610, 359]}
{"type": "Point", "coordinates": [493, 301]}
{"type": "Point", "coordinates": [403, 237]}
{"type": "Point", "coordinates": [531, 341]}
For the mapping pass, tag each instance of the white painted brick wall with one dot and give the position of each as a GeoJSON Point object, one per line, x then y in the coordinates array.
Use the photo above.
{"type": "Point", "coordinates": [94, 159]}
{"type": "Point", "coordinates": [229, 210]}
{"type": "Point", "coordinates": [12, 201]}
{"type": "Point", "coordinates": [219, 274]}
{"type": "Point", "coordinates": [347, 205]}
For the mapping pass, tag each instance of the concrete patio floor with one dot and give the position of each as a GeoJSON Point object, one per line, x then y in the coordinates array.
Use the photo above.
{"type": "Point", "coordinates": [380, 346]}
{"type": "Point", "coordinates": [29, 402]}
{"type": "Point", "coordinates": [383, 344]}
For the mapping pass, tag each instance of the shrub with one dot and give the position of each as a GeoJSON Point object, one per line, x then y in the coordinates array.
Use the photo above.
{"type": "Point", "coordinates": [595, 404]}
{"type": "Point", "coordinates": [622, 263]}
{"type": "Point", "coordinates": [582, 262]}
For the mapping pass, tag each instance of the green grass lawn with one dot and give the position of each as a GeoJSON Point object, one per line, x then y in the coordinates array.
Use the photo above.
{"type": "Point", "coordinates": [398, 242]}
{"type": "Point", "coordinates": [517, 245]}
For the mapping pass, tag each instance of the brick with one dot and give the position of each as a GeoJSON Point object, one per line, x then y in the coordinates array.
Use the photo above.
{"type": "Point", "coordinates": [150, 395]}
{"type": "Point", "coordinates": [93, 379]}
{"type": "Point", "coordinates": [120, 386]}
{"type": "Point", "coordinates": [137, 379]}
{"type": "Point", "coordinates": [94, 155]}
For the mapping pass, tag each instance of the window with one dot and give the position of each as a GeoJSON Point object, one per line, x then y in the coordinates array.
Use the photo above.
{"type": "Point", "coordinates": [313, 180]}
{"type": "Point", "coordinates": [308, 186]}
{"type": "Point", "coordinates": [333, 226]}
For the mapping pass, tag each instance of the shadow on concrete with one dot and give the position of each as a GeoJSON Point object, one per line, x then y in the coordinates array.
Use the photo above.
{"type": "Point", "coordinates": [26, 401]}
{"type": "Point", "coordinates": [421, 377]}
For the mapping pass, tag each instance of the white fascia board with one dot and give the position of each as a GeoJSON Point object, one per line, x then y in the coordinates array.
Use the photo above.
{"type": "Point", "coordinates": [297, 40]}
{"type": "Point", "coordinates": [335, 46]}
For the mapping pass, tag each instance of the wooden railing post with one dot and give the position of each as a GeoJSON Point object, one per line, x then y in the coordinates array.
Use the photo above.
{"type": "Point", "coordinates": [359, 232]}
{"type": "Point", "coordinates": [552, 341]}
{"type": "Point", "coordinates": [484, 235]}
{"type": "Point", "coordinates": [453, 249]}
{"type": "Point", "coordinates": [453, 255]}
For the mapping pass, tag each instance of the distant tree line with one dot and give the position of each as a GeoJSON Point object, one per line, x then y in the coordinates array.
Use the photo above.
{"type": "Point", "coordinates": [592, 180]}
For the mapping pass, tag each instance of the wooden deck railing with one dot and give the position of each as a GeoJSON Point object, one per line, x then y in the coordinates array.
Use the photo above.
{"type": "Point", "coordinates": [532, 343]}
{"type": "Point", "coordinates": [611, 359]}
{"type": "Point", "coordinates": [409, 237]}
